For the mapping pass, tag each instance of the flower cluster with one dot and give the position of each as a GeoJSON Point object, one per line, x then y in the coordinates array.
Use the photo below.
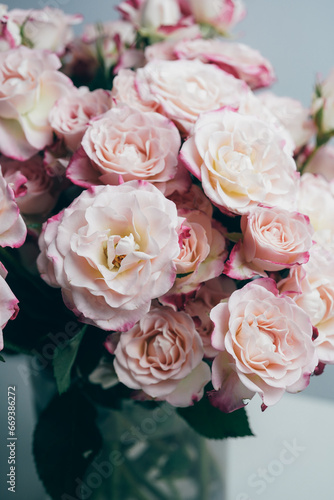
{"type": "Point", "coordinates": [183, 216]}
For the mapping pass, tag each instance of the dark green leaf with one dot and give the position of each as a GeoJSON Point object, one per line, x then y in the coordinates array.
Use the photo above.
{"type": "Point", "coordinates": [63, 360]}
{"type": "Point", "coordinates": [2, 359]}
{"type": "Point", "coordinates": [214, 424]}
{"type": "Point", "coordinates": [65, 442]}
{"type": "Point", "coordinates": [183, 275]}
{"type": "Point", "coordinates": [235, 237]}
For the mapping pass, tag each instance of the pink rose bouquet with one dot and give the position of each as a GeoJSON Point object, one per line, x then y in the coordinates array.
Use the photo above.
{"type": "Point", "coordinates": [166, 230]}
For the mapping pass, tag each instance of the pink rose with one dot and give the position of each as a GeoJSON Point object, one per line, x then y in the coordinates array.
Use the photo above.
{"type": "Point", "coordinates": [30, 85]}
{"type": "Point", "coordinates": [221, 14]}
{"type": "Point", "coordinates": [124, 91]}
{"type": "Point", "coordinates": [236, 157]}
{"type": "Point", "coordinates": [10, 36]}
{"type": "Point", "coordinates": [202, 251]}
{"type": "Point", "coordinates": [322, 162]}
{"type": "Point", "coordinates": [266, 344]}
{"type": "Point", "coordinates": [292, 115]}
{"type": "Point", "coordinates": [311, 286]}
{"type": "Point", "coordinates": [13, 230]}
{"type": "Point", "coordinates": [71, 114]}
{"type": "Point", "coordinates": [8, 304]}
{"type": "Point", "coordinates": [158, 19]}
{"type": "Point", "coordinates": [38, 192]}
{"type": "Point", "coordinates": [236, 58]}
{"type": "Point", "coordinates": [272, 239]}
{"type": "Point", "coordinates": [111, 251]}
{"type": "Point", "coordinates": [47, 28]}
{"type": "Point", "coordinates": [162, 355]}
{"type": "Point", "coordinates": [126, 144]}
{"type": "Point", "coordinates": [199, 307]}
{"type": "Point", "coordinates": [185, 89]}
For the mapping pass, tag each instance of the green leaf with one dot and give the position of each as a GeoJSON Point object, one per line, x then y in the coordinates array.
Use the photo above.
{"type": "Point", "coordinates": [63, 360]}
{"type": "Point", "coordinates": [235, 237]}
{"type": "Point", "coordinates": [212, 423]}
{"type": "Point", "coordinates": [65, 442]}
{"type": "Point", "coordinates": [184, 275]}
{"type": "Point", "coordinates": [2, 359]}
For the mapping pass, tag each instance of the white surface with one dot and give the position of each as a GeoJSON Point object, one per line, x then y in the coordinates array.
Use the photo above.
{"type": "Point", "coordinates": [291, 457]}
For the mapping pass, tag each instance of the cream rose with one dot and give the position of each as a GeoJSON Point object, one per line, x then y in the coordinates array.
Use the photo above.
{"type": "Point", "coordinates": [46, 29]}
{"type": "Point", "coordinates": [312, 288]}
{"type": "Point", "coordinates": [70, 115]}
{"type": "Point", "coordinates": [162, 355]}
{"type": "Point", "coordinates": [111, 251]}
{"type": "Point", "coordinates": [323, 102]}
{"type": "Point", "coordinates": [30, 85]}
{"type": "Point", "coordinates": [316, 200]}
{"type": "Point", "coordinates": [237, 158]}
{"type": "Point", "coordinates": [292, 115]}
{"type": "Point", "coordinates": [126, 144]}
{"type": "Point", "coordinates": [272, 239]}
{"type": "Point", "coordinates": [266, 344]}
{"type": "Point", "coordinates": [221, 14]}
{"type": "Point", "coordinates": [185, 89]}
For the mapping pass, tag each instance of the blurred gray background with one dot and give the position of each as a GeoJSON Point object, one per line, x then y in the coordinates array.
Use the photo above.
{"type": "Point", "coordinates": [298, 38]}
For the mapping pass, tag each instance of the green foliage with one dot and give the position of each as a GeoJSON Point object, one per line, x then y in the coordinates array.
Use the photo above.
{"type": "Point", "coordinates": [66, 440]}
{"type": "Point", "coordinates": [212, 423]}
{"type": "Point", "coordinates": [63, 360]}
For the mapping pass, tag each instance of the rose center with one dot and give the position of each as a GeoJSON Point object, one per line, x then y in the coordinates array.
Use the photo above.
{"type": "Point", "coordinates": [117, 248]}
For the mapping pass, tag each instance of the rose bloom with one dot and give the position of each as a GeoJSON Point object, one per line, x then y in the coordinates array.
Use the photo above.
{"type": "Point", "coordinates": [315, 198]}
{"type": "Point", "coordinates": [325, 103]}
{"type": "Point", "coordinates": [126, 144]}
{"type": "Point", "coordinates": [13, 230]}
{"type": "Point", "coordinates": [111, 251]}
{"type": "Point", "coordinates": [150, 13]}
{"type": "Point", "coordinates": [162, 355]}
{"type": "Point", "coordinates": [292, 115]}
{"type": "Point", "coordinates": [10, 36]}
{"type": "Point", "coordinates": [124, 91]}
{"type": "Point", "coordinates": [8, 304]}
{"type": "Point", "coordinates": [237, 158]}
{"type": "Point", "coordinates": [221, 14]}
{"type": "Point", "coordinates": [71, 114]}
{"type": "Point", "coordinates": [159, 19]}
{"type": "Point", "coordinates": [311, 286]}
{"type": "Point", "coordinates": [30, 85]}
{"type": "Point", "coordinates": [185, 89]}
{"type": "Point", "coordinates": [236, 58]}
{"type": "Point", "coordinates": [272, 239]}
{"type": "Point", "coordinates": [36, 192]}
{"type": "Point", "coordinates": [266, 344]}
{"type": "Point", "coordinates": [46, 29]}
{"type": "Point", "coordinates": [199, 307]}
{"type": "Point", "coordinates": [202, 251]}
{"type": "Point", "coordinates": [322, 162]}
